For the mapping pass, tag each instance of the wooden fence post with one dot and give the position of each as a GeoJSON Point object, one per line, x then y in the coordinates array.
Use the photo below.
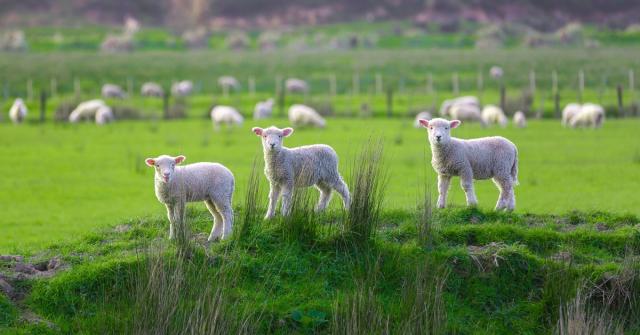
{"type": "Point", "coordinates": [252, 86]}
{"type": "Point", "coordinates": [620, 101]}
{"type": "Point", "coordinates": [54, 87]}
{"type": "Point", "coordinates": [43, 105]}
{"type": "Point", "coordinates": [389, 102]}
{"type": "Point", "coordinates": [165, 105]}
{"type": "Point", "coordinates": [29, 89]}
{"type": "Point", "coordinates": [580, 85]}
{"type": "Point", "coordinates": [379, 84]}
{"type": "Point", "coordinates": [503, 96]}
{"type": "Point", "coordinates": [455, 83]}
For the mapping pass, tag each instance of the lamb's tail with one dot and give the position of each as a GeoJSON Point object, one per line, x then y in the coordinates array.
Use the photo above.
{"type": "Point", "coordinates": [514, 169]}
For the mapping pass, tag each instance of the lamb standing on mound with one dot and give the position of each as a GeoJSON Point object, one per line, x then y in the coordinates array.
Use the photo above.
{"type": "Point", "coordinates": [225, 115]}
{"type": "Point", "coordinates": [301, 115]}
{"type": "Point", "coordinates": [290, 168]}
{"type": "Point", "coordinates": [18, 111]}
{"type": "Point", "coordinates": [209, 182]}
{"type": "Point", "coordinates": [482, 158]}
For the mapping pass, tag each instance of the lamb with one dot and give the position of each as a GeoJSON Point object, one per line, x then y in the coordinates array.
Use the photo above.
{"type": "Point", "coordinates": [86, 110]}
{"type": "Point", "coordinates": [569, 111]}
{"type": "Point", "coordinates": [18, 111]}
{"type": "Point", "coordinates": [590, 115]}
{"type": "Point", "coordinates": [482, 158]}
{"type": "Point", "coordinates": [492, 114]}
{"type": "Point", "coordinates": [225, 115]}
{"type": "Point", "coordinates": [422, 115]}
{"type": "Point", "coordinates": [263, 109]}
{"type": "Point", "coordinates": [182, 88]}
{"type": "Point", "coordinates": [112, 91]}
{"type": "Point", "coordinates": [295, 85]}
{"type": "Point", "coordinates": [104, 115]}
{"type": "Point", "coordinates": [151, 89]}
{"type": "Point", "coordinates": [290, 168]}
{"type": "Point", "coordinates": [466, 112]}
{"type": "Point", "coordinates": [301, 115]}
{"type": "Point", "coordinates": [519, 119]}
{"type": "Point", "coordinates": [466, 100]}
{"type": "Point", "coordinates": [229, 82]}
{"type": "Point", "coordinates": [212, 183]}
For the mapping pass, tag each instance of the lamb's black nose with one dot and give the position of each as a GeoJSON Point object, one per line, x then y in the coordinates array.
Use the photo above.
{"type": "Point", "coordinates": [438, 137]}
{"type": "Point", "coordinates": [273, 145]}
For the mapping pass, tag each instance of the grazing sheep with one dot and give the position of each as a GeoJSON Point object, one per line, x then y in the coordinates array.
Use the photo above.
{"type": "Point", "coordinates": [496, 72]}
{"type": "Point", "coordinates": [482, 158]}
{"type": "Point", "coordinates": [18, 111]}
{"type": "Point", "coordinates": [229, 82]}
{"type": "Point", "coordinates": [466, 112]}
{"type": "Point", "coordinates": [519, 119]}
{"type": "Point", "coordinates": [569, 112]}
{"type": "Point", "coordinates": [86, 110]}
{"type": "Point", "coordinates": [151, 89]}
{"type": "Point", "coordinates": [591, 115]}
{"type": "Point", "coordinates": [295, 85]}
{"type": "Point", "coordinates": [263, 109]}
{"type": "Point", "coordinates": [301, 115]}
{"type": "Point", "coordinates": [466, 100]}
{"type": "Point", "coordinates": [289, 168]}
{"type": "Point", "coordinates": [104, 115]}
{"type": "Point", "coordinates": [209, 182]}
{"type": "Point", "coordinates": [422, 115]}
{"type": "Point", "coordinates": [492, 114]}
{"type": "Point", "coordinates": [112, 91]}
{"type": "Point", "coordinates": [225, 115]}
{"type": "Point", "coordinates": [182, 88]}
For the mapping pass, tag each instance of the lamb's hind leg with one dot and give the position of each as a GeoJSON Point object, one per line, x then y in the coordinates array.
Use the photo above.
{"type": "Point", "coordinates": [325, 196]}
{"type": "Point", "coordinates": [341, 187]}
{"type": "Point", "coordinates": [507, 199]}
{"type": "Point", "coordinates": [216, 230]}
{"type": "Point", "coordinates": [226, 211]}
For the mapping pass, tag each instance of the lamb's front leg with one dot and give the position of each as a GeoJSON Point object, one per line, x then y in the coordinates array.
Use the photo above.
{"type": "Point", "coordinates": [274, 193]}
{"type": "Point", "coordinates": [171, 217]}
{"type": "Point", "coordinates": [443, 188]}
{"type": "Point", "coordinates": [466, 181]}
{"type": "Point", "coordinates": [287, 192]}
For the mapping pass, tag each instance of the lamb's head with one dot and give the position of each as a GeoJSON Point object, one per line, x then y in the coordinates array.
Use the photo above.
{"type": "Point", "coordinates": [272, 137]}
{"type": "Point", "coordinates": [439, 130]}
{"type": "Point", "coordinates": [165, 166]}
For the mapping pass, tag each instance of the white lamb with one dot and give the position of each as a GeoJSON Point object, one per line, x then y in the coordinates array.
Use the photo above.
{"type": "Point", "coordinates": [209, 182]}
{"type": "Point", "coordinates": [569, 112]}
{"type": "Point", "coordinates": [18, 111]}
{"type": "Point", "coordinates": [290, 168]}
{"type": "Point", "coordinates": [104, 115]}
{"type": "Point", "coordinates": [496, 72]}
{"type": "Point", "coordinates": [301, 115]}
{"type": "Point", "coordinates": [446, 105]}
{"type": "Point", "coordinates": [229, 82]}
{"type": "Point", "coordinates": [466, 112]}
{"type": "Point", "coordinates": [225, 115]}
{"type": "Point", "coordinates": [86, 110]}
{"type": "Point", "coordinates": [151, 89]}
{"type": "Point", "coordinates": [482, 158]}
{"type": "Point", "coordinates": [591, 115]}
{"type": "Point", "coordinates": [492, 114]}
{"type": "Point", "coordinates": [263, 109]}
{"type": "Point", "coordinates": [422, 115]}
{"type": "Point", "coordinates": [182, 88]}
{"type": "Point", "coordinates": [295, 85]}
{"type": "Point", "coordinates": [112, 91]}
{"type": "Point", "coordinates": [519, 119]}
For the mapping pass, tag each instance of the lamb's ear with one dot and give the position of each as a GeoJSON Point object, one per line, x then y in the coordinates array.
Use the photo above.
{"type": "Point", "coordinates": [454, 123]}
{"type": "Point", "coordinates": [150, 161]}
{"type": "Point", "coordinates": [257, 130]}
{"type": "Point", "coordinates": [287, 131]}
{"type": "Point", "coordinates": [424, 123]}
{"type": "Point", "coordinates": [179, 159]}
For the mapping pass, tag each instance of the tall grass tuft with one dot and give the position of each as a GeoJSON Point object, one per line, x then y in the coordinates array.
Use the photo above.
{"type": "Point", "coordinates": [367, 185]}
{"type": "Point", "coordinates": [359, 312]}
{"type": "Point", "coordinates": [578, 318]}
{"type": "Point", "coordinates": [424, 219]}
{"type": "Point", "coordinates": [301, 225]}
{"type": "Point", "coordinates": [252, 211]}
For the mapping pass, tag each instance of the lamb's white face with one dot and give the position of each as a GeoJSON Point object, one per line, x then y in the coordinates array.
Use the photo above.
{"type": "Point", "coordinates": [165, 166]}
{"type": "Point", "coordinates": [439, 130]}
{"type": "Point", "coordinates": [272, 137]}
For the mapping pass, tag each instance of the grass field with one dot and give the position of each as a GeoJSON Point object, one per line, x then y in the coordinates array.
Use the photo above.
{"type": "Point", "coordinates": [71, 179]}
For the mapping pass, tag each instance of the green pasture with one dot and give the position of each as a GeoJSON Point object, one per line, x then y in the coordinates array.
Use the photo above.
{"type": "Point", "coordinates": [61, 181]}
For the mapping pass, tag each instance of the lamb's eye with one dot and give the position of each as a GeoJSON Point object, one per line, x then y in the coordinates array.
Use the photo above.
{"type": "Point", "coordinates": [280, 136]}
{"type": "Point", "coordinates": [446, 128]}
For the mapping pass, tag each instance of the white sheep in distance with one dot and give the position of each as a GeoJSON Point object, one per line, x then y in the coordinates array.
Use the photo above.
{"type": "Point", "coordinates": [481, 158]}
{"type": "Point", "coordinates": [496, 72]}
{"type": "Point", "coordinates": [302, 115]}
{"type": "Point", "coordinates": [151, 89]}
{"type": "Point", "coordinates": [590, 115]}
{"type": "Point", "coordinates": [112, 91]}
{"type": "Point", "coordinates": [225, 115]}
{"type": "Point", "coordinates": [446, 105]}
{"type": "Point", "coordinates": [18, 111]}
{"type": "Point", "coordinates": [263, 109]}
{"type": "Point", "coordinates": [519, 119]}
{"type": "Point", "coordinates": [422, 115]}
{"type": "Point", "coordinates": [182, 88]}
{"type": "Point", "coordinates": [86, 110]}
{"type": "Point", "coordinates": [229, 82]}
{"type": "Point", "coordinates": [104, 115]}
{"type": "Point", "coordinates": [492, 114]}
{"type": "Point", "coordinates": [466, 112]}
{"type": "Point", "coordinates": [290, 168]}
{"type": "Point", "coordinates": [212, 183]}
{"type": "Point", "coordinates": [569, 111]}
{"type": "Point", "coordinates": [295, 85]}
